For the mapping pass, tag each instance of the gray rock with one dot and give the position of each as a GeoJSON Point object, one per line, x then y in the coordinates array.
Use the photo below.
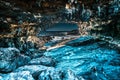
{"type": "Point", "coordinates": [23, 75]}
{"type": "Point", "coordinates": [46, 61]}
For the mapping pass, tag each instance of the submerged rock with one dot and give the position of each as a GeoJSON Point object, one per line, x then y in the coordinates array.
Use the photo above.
{"type": "Point", "coordinates": [10, 59]}
{"type": "Point", "coordinates": [46, 61]}
{"type": "Point", "coordinates": [23, 75]}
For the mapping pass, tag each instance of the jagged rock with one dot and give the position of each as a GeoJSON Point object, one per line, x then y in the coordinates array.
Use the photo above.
{"type": "Point", "coordinates": [23, 75]}
{"type": "Point", "coordinates": [46, 61]}
{"type": "Point", "coordinates": [33, 69]}
{"type": "Point", "coordinates": [51, 75]}
{"type": "Point", "coordinates": [10, 59]}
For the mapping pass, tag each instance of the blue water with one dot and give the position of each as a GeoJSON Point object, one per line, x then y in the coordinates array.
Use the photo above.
{"type": "Point", "coordinates": [89, 60]}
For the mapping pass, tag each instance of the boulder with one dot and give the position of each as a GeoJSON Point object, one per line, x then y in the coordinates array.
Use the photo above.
{"type": "Point", "coordinates": [9, 53]}
{"type": "Point", "coordinates": [51, 74]}
{"type": "Point", "coordinates": [46, 61]}
{"type": "Point", "coordinates": [6, 66]}
{"type": "Point", "coordinates": [23, 75]}
{"type": "Point", "coordinates": [22, 60]}
{"type": "Point", "coordinates": [10, 59]}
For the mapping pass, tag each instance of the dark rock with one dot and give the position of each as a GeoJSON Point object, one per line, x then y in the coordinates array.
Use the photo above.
{"type": "Point", "coordinates": [51, 75]}
{"type": "Point", "coordinates": [46, 61]}
{"type": "Point", "coordinates": [86, 14]}
{"type": "Point", "coordinates": [23, 75]}
{"type": "Point", "coordinates": [4, 27]}
{"type": "Point", "coordinates": [10, 59]}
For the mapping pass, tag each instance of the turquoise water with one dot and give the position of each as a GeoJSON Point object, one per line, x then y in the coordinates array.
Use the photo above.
{"type": "Point", "coordinates": [88, 60]}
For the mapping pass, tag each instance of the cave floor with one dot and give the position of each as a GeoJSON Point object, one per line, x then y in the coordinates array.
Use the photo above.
{"type": "Point", "coordinates": [91, 61]}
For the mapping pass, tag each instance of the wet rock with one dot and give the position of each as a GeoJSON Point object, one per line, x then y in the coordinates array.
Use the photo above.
{"type": "Point", "coordinates": [6, 66]}
{"type": "Point", "coordinates": [23, 75]}
{"type": "Point", "coordinates": [1, 77]}
{"type": "Point", "coordinates": [7, 57]}
{"type": "Point", "coordinates": [22, 60]}
{"type": "Point", "coordinates": [10, 59]}
{"type": "Point", "coordinates": [46, 61]}
{"type": "Point", "coordinates": [8, 53]}
{"type": "Point", "coordinates": [71, 76]}
{"type": "Point", "coordinates": [94, 74]}
{"type": "Point", "coordinates": [112, 72]}
{"type": "Point", "coordinates": [33, 68]}
{"type": "Point", "coordinates": [33, 53]}
{"type": "Point", "coordinates": [51, 75]}
{"type": "Point", "coordinates": [37, 54]}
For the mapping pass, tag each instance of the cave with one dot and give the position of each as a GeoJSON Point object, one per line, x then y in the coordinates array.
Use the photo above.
{"type": "Point", "coordinates": [59, 39]}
